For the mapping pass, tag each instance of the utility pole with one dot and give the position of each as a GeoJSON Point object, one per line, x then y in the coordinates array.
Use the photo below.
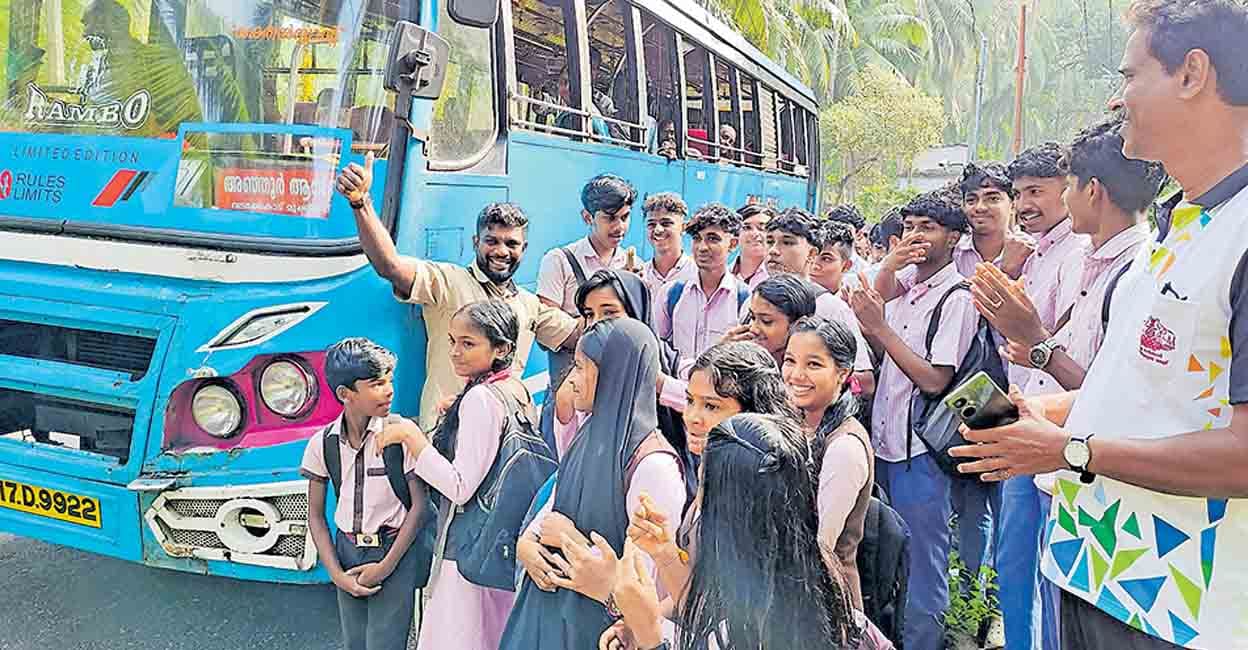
{"type": "Point", "coordinates": [981, 70]}
{"type": "Point", "coordinates": [1020, 78]}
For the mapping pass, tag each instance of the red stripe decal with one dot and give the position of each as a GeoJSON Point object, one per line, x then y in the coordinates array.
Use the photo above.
{"type": "Point", "coordinates": [111, 192]}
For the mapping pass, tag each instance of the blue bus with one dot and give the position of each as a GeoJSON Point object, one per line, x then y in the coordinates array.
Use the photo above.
{"type": "Point", "coordinates": [173, 260]}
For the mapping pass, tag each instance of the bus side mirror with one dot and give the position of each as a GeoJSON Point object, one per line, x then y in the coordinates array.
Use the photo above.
{"type": "Point", "coordinates": [474, 13]}
{"type": "Point", "coordinates": [417, 64]}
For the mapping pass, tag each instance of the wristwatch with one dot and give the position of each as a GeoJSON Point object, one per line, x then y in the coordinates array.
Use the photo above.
{"type": "Point", "coordinates": [1041, 353]}
{"type": "Point", "coordinates": [1078, 455]}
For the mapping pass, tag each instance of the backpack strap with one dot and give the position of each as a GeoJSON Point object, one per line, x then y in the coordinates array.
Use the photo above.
{"type": "Point", "coordinates": [933, 325]}
{"type": "Point", "coordinates": [333, 459]}
{"type": "Point", "coordinates": [393, 456]}
{"type": "Point", "coordinates": [1109, 296]}
{"type": "Point", "coordinates": [575, 264]}
{"type": "Point", "coordinates": [673, 297]}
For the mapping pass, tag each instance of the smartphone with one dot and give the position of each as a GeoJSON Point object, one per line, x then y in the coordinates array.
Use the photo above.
{"type": "Point", "coordinates": [981, 403]}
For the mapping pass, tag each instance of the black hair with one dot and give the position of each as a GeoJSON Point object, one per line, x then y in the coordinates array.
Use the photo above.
{"type": "Point", "coordinates": [991, 175]}
{"type": "Point", "coordinates": [798, 222]}
{"type": "Point", "coordinates": [669, 202]}
{"type": "Point", "coordinates": [1040, 161]}
{"type": "Point", "coordinates": [744, 371]}
{"type": "Point", "coordinates": [355, 359]}
{"type": "Point", "coordinates": [605, 279]}
{"type": "Point", "coordinates": [497, 322]}
{"type": "Point", "coordinates": [714, 215]}
{"type": "Point", "coordinates": [848, 215]}
{"type": "Point", "coordinates": [890, 226]}
{"type": "Point", "coordinates": [507, 215]}
{"type": "Point", "coordinates": [750, 209]}
{"type": "Point", "coordinates": [841, 345]}
{"type": "Point", "coordinates": [607, 193]}
{"type": "Point", "coordinates": [940, 207]}
{"type": "Point", "coordinates": [1097, 153]}
{"type": "Point", "coordinates": [1176, 27]}
{"type": "Point", "coordinates": [762, 581]}
{"type": "Point", "coordinates": [838, 234]}
{"type": "Point", "coordinates": [793, 295]}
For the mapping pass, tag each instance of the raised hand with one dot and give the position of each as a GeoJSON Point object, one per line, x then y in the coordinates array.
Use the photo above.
{"type": "Point", "coordinates": [355, 180]}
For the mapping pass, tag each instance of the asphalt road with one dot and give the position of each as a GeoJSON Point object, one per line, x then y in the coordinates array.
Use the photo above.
{"type": "Point", "coordinates": [55, 598]}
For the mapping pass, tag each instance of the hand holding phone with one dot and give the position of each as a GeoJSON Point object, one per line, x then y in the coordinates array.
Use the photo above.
{"type": "Point", "coordinates": [981, 404]}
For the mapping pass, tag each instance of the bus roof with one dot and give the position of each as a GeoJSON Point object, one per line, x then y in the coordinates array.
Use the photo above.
{"type": "Point", "coordinates": [725, 42]}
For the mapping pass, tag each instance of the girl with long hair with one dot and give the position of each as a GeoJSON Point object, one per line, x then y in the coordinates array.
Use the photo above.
{"type": "Point", "coordinates": [616, 455]}
{"type": "Point", "coordinates": [462, 615]}
{"type": "Point", "coordinates": [766, 586]}
{"type": "Point", "coordinates": [818, 362]}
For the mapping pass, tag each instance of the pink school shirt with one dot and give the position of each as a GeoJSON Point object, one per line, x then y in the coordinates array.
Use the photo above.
{"type": "Point", "coordinates": [698, 321]}
{"type": "Point", "coordinates": [831, 307]}
{"type": "Point", "coordinates": [1082, 335]}
{"type": "Point", "coordinates": [683, 271]}
{"type": "Point", "coordinates": [908, 316]}
{"type": "Point", "coordinates": [754, 280]}
{"type": "Point", "coordinates": [965, 257]}
{"type": "Point", "coordinates": [366, 502]}
{"type": "Point", "coordinates": [1059, 253]}
{"type": "Point", "coordinates": [557, 283]}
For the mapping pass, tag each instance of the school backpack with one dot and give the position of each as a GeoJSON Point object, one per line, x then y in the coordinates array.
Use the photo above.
{"type": "Point", "coordinates": [678, 289]}
{"type": "Point", "coordinates": [392, 456]}
{"type": "Point", "coordinates": [884, 568]}
{"type": "Point", "coordinates": [935, 424]}
{"type": "Point", "coordinates": [480, 536]}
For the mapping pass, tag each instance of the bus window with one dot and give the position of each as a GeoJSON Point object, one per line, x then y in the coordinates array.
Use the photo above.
{"type": "Point", "coordinates": [663, 104]}
{"type": "Point", "coordinates": [770, 126]}
{"type": "Point", "coordinates": [728, 103]}
{"type": "Point", "coordinates": [465, 122]}
{"type": "Point", "coordinates": [613, 70]}
{"type": "Point", "coordinates": [785, 118]}
{"type": "Point", "coordinates": [542, 79]}
{"type": "Point", "coordinates": [698, 103]}
{"type": "Point", "coordinates": [750, 135]}
{"type": "Point", "coordinates": [275, 89]}
{"type": "Point", "coordinates": [800, 148]}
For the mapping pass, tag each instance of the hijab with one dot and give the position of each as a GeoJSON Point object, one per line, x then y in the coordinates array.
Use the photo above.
{"type": "Point", "coordinates": [591, 488]}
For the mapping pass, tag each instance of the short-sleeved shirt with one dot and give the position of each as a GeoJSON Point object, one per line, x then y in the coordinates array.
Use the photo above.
{"type": "Point", "coordinates": [556, 280]}
{"type": "Point", "coordinates": [830, 306]}
{"type": "Point", "coordinates": [683, 271]}
{"type": "Point", "coordinates": [699, 321]}
{"type": "Point", "coordinates": [366, 501]}
{"type": "Point", "coordinates": [442, 289]}
{"type": "Point", "coordinates": [1171, 363]}
{"type": "Point", "coordinates": [754, 279]}
{"type": "Point", "coordinates": [1049, 278]}
{"type": "Point", "coordinates": [908, 315]}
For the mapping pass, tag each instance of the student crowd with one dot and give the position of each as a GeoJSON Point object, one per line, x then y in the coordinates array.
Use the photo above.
{"type": "Point", "coordinates": [723, 424]}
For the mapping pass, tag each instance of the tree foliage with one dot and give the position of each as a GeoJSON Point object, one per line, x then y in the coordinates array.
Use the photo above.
{"type": "Point", "coordinates": [878, 129]}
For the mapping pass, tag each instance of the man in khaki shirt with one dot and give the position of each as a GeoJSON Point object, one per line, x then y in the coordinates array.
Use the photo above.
{"type": "Point", "coordinates": [442, 288]}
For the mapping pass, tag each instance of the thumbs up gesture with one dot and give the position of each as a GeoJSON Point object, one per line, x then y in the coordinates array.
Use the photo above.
{"type": "Point", "coordinates": [355, 180]}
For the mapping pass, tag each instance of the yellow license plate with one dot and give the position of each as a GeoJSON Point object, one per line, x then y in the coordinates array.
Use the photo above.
{"type": "Point", "coordinates": [53, 504]}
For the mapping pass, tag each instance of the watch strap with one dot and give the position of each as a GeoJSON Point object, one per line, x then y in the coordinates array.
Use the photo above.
{"type": "Point", "coordinates": [1085, 476]}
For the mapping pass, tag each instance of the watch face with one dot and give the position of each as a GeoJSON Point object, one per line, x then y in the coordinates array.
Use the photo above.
{"type": "Point", "coordinates": [1077, 454]}
{"type": "Point", "coordinates": [1039, 357]}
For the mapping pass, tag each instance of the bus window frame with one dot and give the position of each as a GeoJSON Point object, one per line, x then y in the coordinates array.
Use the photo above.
{"type": "Point", "coordinates": [734, 104]}
{"type": "Point", "coordinates": [750, 158]}
{"type": "Point", "coordinates": [255, 244]}
{"type": "Point", "coordinates": [634, 64]}
{"type": "Point", "coordinates": [711, 123]}
{"type": "Point", "coordinates": [492, 156]}
{"type": "Point", "coordinates": [576, 46]}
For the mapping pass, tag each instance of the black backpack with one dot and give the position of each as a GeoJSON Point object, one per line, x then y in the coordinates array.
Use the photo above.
{"type": "Point", "coordinates": [884, 568]}
{"type": "Point", "coordinates": [481, 534]}
{"type": "Point", "coordinates": [392, 455]}
{"type": "Point", "coordinates": [935, 424]}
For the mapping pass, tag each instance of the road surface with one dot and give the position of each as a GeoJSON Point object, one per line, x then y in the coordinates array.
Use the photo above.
{"type": "Point", "coordinates": [63, 599]}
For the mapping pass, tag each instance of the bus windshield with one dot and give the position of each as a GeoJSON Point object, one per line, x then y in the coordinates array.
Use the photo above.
{"type": "Point", "coordinates": [192, 117]}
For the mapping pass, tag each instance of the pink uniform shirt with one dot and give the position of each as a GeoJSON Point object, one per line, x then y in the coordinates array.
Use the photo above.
{"type": "Point", "coordinates": [698, 321]}
{"type": "Point", "coordinates": [367, 502]}
{"type": "Point", "coordinates": [1049, 277]}
{"type": "Point", "coordinates": [557, 283]}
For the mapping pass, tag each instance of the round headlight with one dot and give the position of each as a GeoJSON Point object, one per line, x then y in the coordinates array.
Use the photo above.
{"type": "Point", "coordinates": [216, 410]}
{"type": "Point", "coordinates": [285, 388]}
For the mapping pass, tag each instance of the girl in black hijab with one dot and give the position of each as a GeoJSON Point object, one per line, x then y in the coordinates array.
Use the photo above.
{"type": "Point", "coordinates": [617, 454]}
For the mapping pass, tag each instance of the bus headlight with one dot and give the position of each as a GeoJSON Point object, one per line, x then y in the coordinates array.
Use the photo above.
{"type": "Point", "coordinates": [217, 410]}
{"type": "Point", "coordinates": [285, 388]}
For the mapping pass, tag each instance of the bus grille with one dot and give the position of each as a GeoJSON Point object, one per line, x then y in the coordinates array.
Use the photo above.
{"type": "Point", "coordinates": [107, 350]}
{"type": "Point", "coordinates": [264, 525]}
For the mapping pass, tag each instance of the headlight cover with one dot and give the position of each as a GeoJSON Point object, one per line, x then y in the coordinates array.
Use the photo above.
{"type": "Point", "coordinates": [217, 410]}
{"type": "Point", "coordinates": [285, 388]}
